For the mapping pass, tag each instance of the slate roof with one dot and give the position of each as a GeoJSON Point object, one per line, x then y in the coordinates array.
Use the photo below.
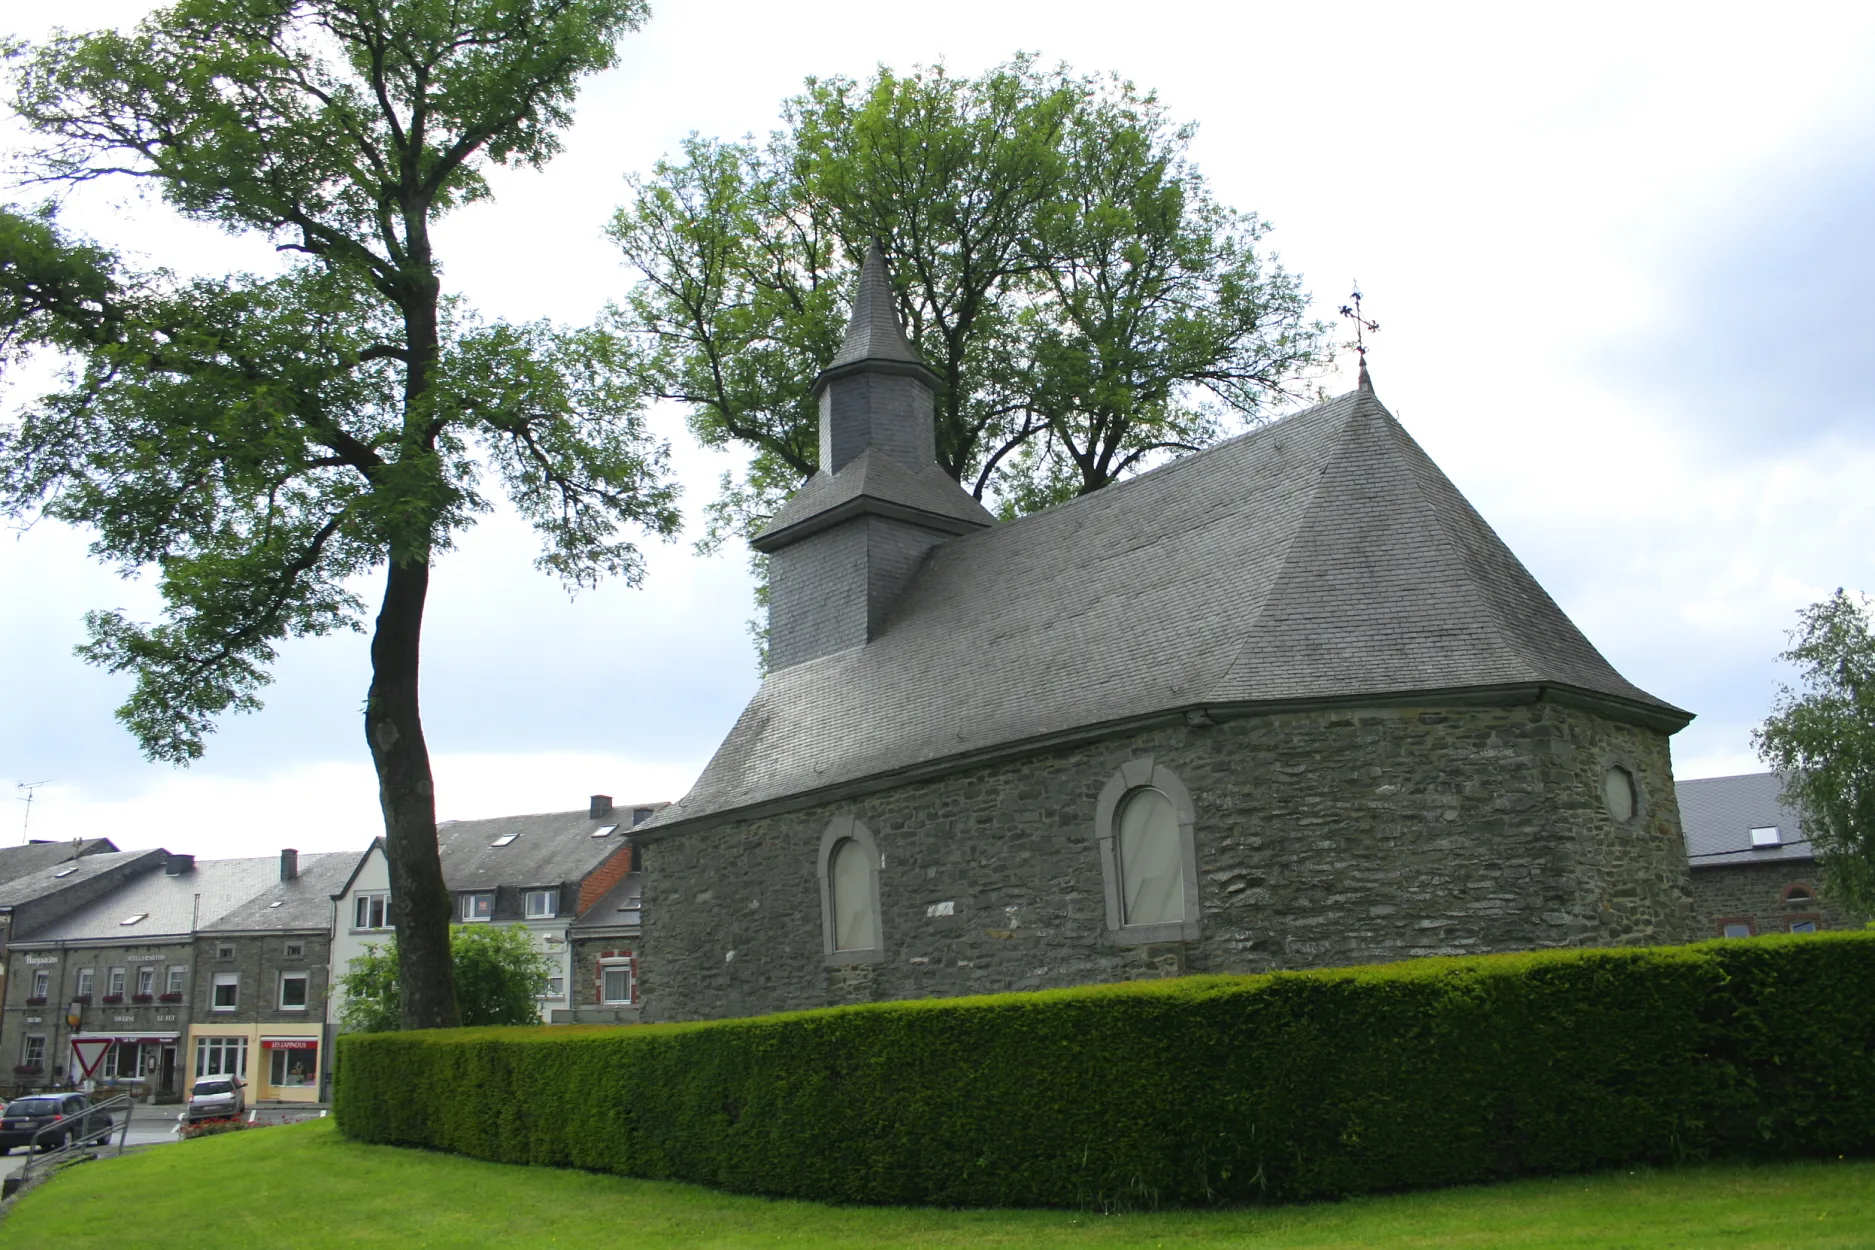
{"type": "Point", "coordinates": [1321, 557]}
{"type": "Point", "coordinates": [873, 331]}
{"type": "Point", "coordinates": [303, 903]}
{"type": "Point", "coordinates": [21, 861]}
{"type": "Point", "coordinates": [1717, 815]}
{"type": "Point", "coordinates": [826, 498]}
{"type": "Point", "coordinates": [623, 905]}
{"type": "Point", "coordinates": [38, 884]}
{"type": "Point", "coordinates": [551, 848]}
{"type": "Point", "coordinates": [222, 884]}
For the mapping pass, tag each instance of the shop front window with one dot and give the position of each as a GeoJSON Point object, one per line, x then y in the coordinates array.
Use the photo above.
{"type": "Point", "coordinates": [221, 1056]}
{"type": "Point", "coordinates": [294, 1064]}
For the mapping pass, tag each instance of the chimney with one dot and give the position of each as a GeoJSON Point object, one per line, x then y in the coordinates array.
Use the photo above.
{"type": "Point", "coordinates": [843, 549]}
{"type": "Point", "coordinates": [601, 807]}
{"type": "Point", "coordinates": [289, 865]}
{"type": "Point", "coordinates": [176, 865]}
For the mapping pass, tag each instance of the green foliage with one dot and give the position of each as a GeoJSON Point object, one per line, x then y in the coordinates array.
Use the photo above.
{"type": "Point", "coordinates": [1191, 1091]}
{"type": "Point", "coordinates": [1823, 742]}
{"type": "Point", "coordinates": [500, 974]}
{"type": "Point", "coordinates": [1058, 261]}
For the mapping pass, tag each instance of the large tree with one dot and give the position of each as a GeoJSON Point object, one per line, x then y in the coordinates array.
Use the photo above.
{"type": "Point", "coordinates": [1058, 260]}
{"type": "Point", "coordinates": [1822, 739]}
{"type": "Point", "coordinates": [264, 440]}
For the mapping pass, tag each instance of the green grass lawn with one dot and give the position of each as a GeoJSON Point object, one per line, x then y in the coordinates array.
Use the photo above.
{"type": "Point", "coordinates": [306, 1186]}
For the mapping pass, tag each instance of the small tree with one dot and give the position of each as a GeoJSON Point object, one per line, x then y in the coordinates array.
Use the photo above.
{"type": "Point", "coordinates": [500, 975]}
{"type": "Point", "coordinates": [1823, 742]}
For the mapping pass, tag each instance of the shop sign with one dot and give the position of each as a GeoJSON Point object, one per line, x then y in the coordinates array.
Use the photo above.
{"type": "Point", "coordinates": [42, 959]}
{"type": "Point", "coordinates": [289, 1043]}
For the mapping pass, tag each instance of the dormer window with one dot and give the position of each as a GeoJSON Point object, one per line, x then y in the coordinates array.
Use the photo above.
{"type": "Point", "coordinates": [1765, 837]}
{"type": "Point", "coordinates": [480, 906]}
{"type": "Point", "coordinates": [542, 904]}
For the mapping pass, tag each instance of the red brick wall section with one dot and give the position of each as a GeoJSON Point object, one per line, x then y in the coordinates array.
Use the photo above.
{"type": "Point", "coordinates": [600, 880]}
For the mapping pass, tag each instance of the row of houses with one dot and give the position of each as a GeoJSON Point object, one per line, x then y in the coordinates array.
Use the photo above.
{"type": "Point", "coordinates": [149, 968]}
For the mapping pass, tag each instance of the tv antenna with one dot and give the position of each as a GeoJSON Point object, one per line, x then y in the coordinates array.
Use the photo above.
{"type": "Point", "coordinates": [28, 786]}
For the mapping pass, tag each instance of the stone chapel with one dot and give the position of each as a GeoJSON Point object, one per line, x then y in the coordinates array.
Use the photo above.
{"type": "Point", "coordinates": [1284, 703]}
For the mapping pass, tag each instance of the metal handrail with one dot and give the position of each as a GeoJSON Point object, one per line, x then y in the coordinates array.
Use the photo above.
{"type": "Point", "coordinates": [80, 1145]}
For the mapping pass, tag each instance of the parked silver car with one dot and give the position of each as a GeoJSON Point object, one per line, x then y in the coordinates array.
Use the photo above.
{"type": "Point", "coordinates": [216, 1098]}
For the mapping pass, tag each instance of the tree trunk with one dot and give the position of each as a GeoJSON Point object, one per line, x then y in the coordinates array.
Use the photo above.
{"type": "Point", "coordinates": [420, 903]}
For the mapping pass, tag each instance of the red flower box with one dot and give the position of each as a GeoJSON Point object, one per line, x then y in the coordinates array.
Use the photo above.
{"type": "Point", "coordinates": [27, 1069]}
{"type": "Point", "coordinates": [169, 998]}
{"type": "Point", "coordinates": [83, 1000]}
{"type": "Point", "coordinates": [36, 1002]}
{"type": "Point", "coordinates": [143, 998]}
{"type": "Point", "coordinates": [113, 998]}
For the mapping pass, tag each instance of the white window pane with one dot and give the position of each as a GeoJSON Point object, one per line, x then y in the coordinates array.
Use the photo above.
{"type": "Point", "coordinates": [1618, 793]}
{"type": "Point", "coordinates": [851, 886]}
{"type": "Point", "coordinates": [617, 988]}
{"type": "Point", "coordinates": [1152, 882]}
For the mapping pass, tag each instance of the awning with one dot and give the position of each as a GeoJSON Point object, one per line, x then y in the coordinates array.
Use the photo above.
{"type": "Point", "coordinates": [289, 1043]}
{"type": "Point", "coordinates": [125, 1037]}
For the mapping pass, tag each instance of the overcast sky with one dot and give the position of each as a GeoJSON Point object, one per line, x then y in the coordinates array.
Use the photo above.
{"type": "Point", "coordinates": [1620, 256]}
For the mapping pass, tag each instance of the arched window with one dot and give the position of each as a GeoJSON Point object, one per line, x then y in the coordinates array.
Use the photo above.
{"type": "Point", "coordinates": [1618, 792]}
{"type": "Point", "coordinates": [851, 929]}
{"type": "Point", "coordinates": [1152, 888]}
{"type": "Point", "coordinates": [1148, 857]}
{"type": "Point", "coordinates": [850, 886]}
{"type": "Point", "coordinates": [1798, 894]}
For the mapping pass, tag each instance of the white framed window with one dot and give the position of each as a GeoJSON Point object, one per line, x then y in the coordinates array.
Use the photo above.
{"type": "Point", "coordinates": [850, 926]}
{"type": "Point", "coordinates": [371, 911]}
{"type": "Point", "coordinates": [115, 985]}
{"type": "Point", "coordinates": [33, 1050]}
{"type": "Point", "coordinates": [86, 978]}
{"type": "Point", "coordinates": [42, 982]}
{"type": "Point", "coordinates": [616, 982]}
{"type": "Point", "coordinates": [1765, 836]}
{"type": "Point", "coordinates": [478, 906]}
{"type": "Point", "coordinates": [146, 979]}
{"type": "Point", "coordinates": [293, 990]}
{"type": "Point", "coordinates": [542, 904]}
{"type": "Point", "coordinates": [177, 974]}
{"type": "Point", "coordinates": [556, 987]}
{"type": "Point", "coordinates": [1143, 825]}
{"type": "Point", "coordinates": [227, 991]}
{"type": "Point", "coordinates": [221, 1056]}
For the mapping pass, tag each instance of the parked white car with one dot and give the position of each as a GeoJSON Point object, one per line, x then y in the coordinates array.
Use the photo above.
{"type": "Point", "coordinates": [216, 1098]}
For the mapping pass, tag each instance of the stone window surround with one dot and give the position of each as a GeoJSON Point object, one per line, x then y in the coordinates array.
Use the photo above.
{"type": "Point", "coordinates": [1138, 774]}
{"type": "Point", "coordinates": [614, 960]}
{"type": "Point", "coordinates": [1621, 759]}
{"type": "Point", "coordinates": [840, 829]}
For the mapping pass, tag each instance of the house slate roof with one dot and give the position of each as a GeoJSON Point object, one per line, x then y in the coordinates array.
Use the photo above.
{"type": "Point", "coordinates": [170, 901]}
{"type": "Point", "coordinates": [1717, 815]}
{"type": "Point", "coordinates": [302, 903]}
{"type": "Point", "coordinates": [21, 861]}
{"type": "Point", "coordinates": [1322, 557]}
{"type": "Point", "coordinates": [627, 895]}
{"type": "Point", "coordinates": [551, 848]}
{"type": "Point", "coordinates": [43, 882]}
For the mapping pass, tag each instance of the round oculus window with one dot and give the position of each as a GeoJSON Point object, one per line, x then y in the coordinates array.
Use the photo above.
{"type": "Point", "coordinates": [1618, 793]}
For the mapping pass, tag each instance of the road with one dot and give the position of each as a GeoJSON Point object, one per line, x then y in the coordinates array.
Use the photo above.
{"type": "Point", "coordinates": [152, 1126]}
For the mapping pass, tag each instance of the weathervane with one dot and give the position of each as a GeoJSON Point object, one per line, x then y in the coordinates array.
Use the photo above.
{"type": "Point", "coordinates": [1362, 328]}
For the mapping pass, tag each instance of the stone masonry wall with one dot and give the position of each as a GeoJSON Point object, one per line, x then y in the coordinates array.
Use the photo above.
{"type": "Point", "coordinates": [1323, 838]}
{"type": "Point", "coordinates": [1755, 892]}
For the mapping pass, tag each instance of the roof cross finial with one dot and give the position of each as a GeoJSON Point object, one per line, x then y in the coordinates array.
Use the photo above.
{"type": "Point", "coordinates": [1362, 328]}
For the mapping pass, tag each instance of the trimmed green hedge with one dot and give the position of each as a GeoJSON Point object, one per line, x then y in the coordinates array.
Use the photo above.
{"type": "Point", "coordinates": [1195, 1090]}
